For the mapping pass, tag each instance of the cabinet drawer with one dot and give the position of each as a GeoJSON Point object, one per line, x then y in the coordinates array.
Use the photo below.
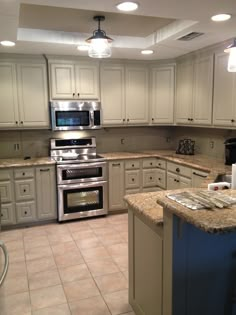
{"type": "Point", "coordinates": [149, 178]}
{"type": "Point", "coordinates": [132, 164]}
{"type": "Point", "coordinates": [179, 169]}
{"type": "Point", "coordinates": [6, 192]}
{"type": "Point", "coordinates": [161, 178]}
{"type": "Point", "coordinates": [24, 189]}
{"type": "Point", "coordinates": [149, 163]}
{"type": "Point", "coordinates": [5, 174]}
{"type": "Point", "coordinates": [132, 179]}
{"type": "Point", "coordinates": [161, 164]}
{"type": "Point", "coordinates": [8, 214]}
{"type": "Point", "coordinates": [25, 212]}
{"type": "Point", "coordinates": [24, 173]}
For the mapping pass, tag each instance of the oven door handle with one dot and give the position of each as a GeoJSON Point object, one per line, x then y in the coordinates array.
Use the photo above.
{"type": "Point", "coordinates": [81, 165]}
{"type": "Point", "coordinates": [82, 185]}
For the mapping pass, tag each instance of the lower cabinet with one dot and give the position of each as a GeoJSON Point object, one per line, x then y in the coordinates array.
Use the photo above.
{"type": "Point", "coordinates": [116, 185]}
{"type": "Point", "coordinates": [46, 192]}
{"type": "Point", "coordinates": [27, 194]}
{"type": "Point", "coordinates": [145, 266]}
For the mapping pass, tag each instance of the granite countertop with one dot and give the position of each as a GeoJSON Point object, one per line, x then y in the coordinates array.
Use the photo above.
{"type": "Point", "coordinates": [20, 162]}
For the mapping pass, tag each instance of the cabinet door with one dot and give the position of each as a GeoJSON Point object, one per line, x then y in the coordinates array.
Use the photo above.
{"type": "Point", "coordinates": [32, 93]}
{"type": "Point", "coordinates": [184, 90]}
{"type": "Point", "coordinates": [8, 101]}
{"type": "Point", "coordinates": [149, 178]}
{"type": "Point", "coordinates": [172, 181]}
{"type": "Point", "coordinates": [224, 93]}
{"type": "Point", "coordinates": [112, 94]}
{"type": "Point", "coordinates": [62, 81]}
{"type": "Point", "coordinates": [87, 81]}
{"type": "Point", "coordinates": [8, 214]}
{"type": "Point", "coordinates": [6, 191]}
{"type": "Point", "coordinates": [24, 189]}
{"type": "Point", "coordinates": [25, 212]}
{"type": "Point", "coordinates": [116, 185]}
{"type": "Point", "coordinates": [161, 178]}
{"type": "Point", "coordinates": [202, 96]}
{"type": "Point", "coordinates": [184, 182]}
{"type": "Point", "coordinates": [163, 95]}
{"type": "Point", "coordinates": [46, 192]}
{"type": "Point", "coordinates": [136, 99]}
{"type": "Point", "coordinates": [132, 179]}
{"type": "Point", "coordinates": [198, 177]}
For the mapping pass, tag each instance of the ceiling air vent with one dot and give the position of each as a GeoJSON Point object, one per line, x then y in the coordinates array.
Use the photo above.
{"type": "Point", "coordinates": [190, 36]}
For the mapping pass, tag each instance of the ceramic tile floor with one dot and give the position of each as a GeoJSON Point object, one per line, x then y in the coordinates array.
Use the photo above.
{"type": "Point", "coordinates": [77, 268]}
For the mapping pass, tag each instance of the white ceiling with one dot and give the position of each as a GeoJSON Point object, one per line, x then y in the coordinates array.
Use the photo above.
{"type": "Point", "coordinates": [58, 26]}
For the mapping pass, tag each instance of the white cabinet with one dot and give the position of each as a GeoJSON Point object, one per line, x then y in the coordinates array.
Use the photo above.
{"type": "Point", "coordinates": [32, 93]}
{"type": "Point", "coordinates": [116, 185]}
{"type": "Point", "coordinates": [7, 197]}
{"type": "Point", "coordinates": [162, 91]}
{"type": "Point", "coordinates": [74, 80]}
{"type": "Point", "coordinates": [194, 91]}
{"type": "Point", "coordinates": [178, 176]}
{"type": "Point", "coordinates": [46, 192]}
{"type": "Point", "coordinates": [224, 101]}
{"type": "Point", "coordinates": [124, 94]}
{"type": "Point", "coordinates": [113, 94]}
{"type": "Point", "coordinates": [23, 88]}
{"type": "Point", "coordinates": [136, 95]}
{"type": "Point", "coordinates": [25, 211]}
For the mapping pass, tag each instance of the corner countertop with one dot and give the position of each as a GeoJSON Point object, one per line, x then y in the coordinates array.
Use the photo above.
{"type": "Point", "coordinates": [20, 162]}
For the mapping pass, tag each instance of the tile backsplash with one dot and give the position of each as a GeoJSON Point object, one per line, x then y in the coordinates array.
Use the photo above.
{"type": "Point", "coordinates": [35, 143]}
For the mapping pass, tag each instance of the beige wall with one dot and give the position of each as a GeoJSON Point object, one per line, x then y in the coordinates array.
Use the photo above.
{"type": "Point", "coordinates": [36, 143]}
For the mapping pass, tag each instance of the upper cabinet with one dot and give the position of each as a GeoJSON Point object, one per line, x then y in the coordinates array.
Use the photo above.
{"type": "Point", "coordinates": [24, 102]}
{"type": "Point", "coordinates": [74, 80]}
{"type": "Point", "coordinates": [224, 101]}
{"type": "Point", "coordinates": [124, 94]}
{"type": "Point", "coordinates": [162, 95]}
{"type": "Point", "coordinates": [194, 91]}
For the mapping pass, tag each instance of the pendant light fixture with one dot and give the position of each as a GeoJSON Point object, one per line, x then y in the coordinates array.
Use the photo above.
{"type": "Point", "coordinates": [100, 43]}
{"type": "Point", "coordinates": [231, 49]}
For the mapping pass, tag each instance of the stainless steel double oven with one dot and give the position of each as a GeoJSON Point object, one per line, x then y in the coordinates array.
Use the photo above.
{"type": "Point", "coordinates": [81, 178]}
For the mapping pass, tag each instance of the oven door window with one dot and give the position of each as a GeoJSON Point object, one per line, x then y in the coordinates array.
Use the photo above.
{"type": "Point", "coordinates": [80, 173]}
{"type": "Point", "coordinates": [83, 199]}
{"type": "Point", "coordinates": [72, 118]}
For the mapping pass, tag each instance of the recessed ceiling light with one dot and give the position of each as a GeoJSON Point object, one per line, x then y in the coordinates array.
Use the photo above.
{"type": "Point", "coordinates": [83, 47]}
{"type": "Point", "coordinates": [7, 43]}
{"type": "Point", "coordinates": [221, 17]}
{"type": "Point", "coordinates": [127, 6]}
{"type": "Point", "coordinates": [147, 52]}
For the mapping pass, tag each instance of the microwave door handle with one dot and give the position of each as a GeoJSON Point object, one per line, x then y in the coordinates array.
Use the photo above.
{"type": "Point", "coordinates": [91, 118]}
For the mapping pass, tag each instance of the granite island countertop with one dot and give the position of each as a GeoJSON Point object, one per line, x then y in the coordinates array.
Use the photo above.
{"type": "Point", "coordinates": [20, 162]}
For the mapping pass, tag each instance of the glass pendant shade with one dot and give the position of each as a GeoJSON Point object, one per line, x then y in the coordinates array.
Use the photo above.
{"type": "Point", "coordinates": [232, 57]}
{"type": "Point", "coordinates": [100, 43]}
{"type": "Point", "coordinates": [99, 48]}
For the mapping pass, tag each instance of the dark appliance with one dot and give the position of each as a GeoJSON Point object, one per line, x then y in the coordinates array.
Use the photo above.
{"type": "Point", "coordinates": [230, 151]}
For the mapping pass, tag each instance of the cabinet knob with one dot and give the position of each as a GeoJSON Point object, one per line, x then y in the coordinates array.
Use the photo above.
{"type": "Point", "coordinates": [128, 119]}
{"type": "Point", "coordinates": [16, 122]}
{"type": "Point", "coordinates": [159, 178]}
{"type": "Point", "coordinates": [24, 190]}
{"type": "Point", "coordinates": [177, 181]}
{"type": "Point", "coordinates": [159, 164]}
{"type": "Point", "coordinates": [191, 119]}
{"type": "Point", "coordinates": [78, 94]}
{"type": "Point", "coordinates": [23, 174]}
{"type": "Point", "coordinates": [177, 170]}
{"type": "Point", "coordinates": [25, 212]}
{"type": "Point", "coordinates": [152, 119]}
{"type": "Point", "coordinates": [132, 179]}
{"type": "Point", "coordinates": [73, 94]}
{"type": "Point", "coordinates": [232, 120]}
{"type": "Point", "coordinates": [21, 122]}
{"type": "Point", "coordinates": [1, 215]}
{"type": "Point", "coordinates": [132, 165]}
{"type": "Point", "coordinates": [151, 163]}
{"type": "Point", "coordinates": [150, 178]}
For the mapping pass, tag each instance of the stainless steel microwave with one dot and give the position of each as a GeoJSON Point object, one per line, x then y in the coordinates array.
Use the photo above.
{"type": "Point", "coordinates": [70, 115]}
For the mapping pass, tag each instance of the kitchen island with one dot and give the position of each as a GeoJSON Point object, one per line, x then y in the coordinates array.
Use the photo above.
{"type": "Point", "coordinates": [180, 261]}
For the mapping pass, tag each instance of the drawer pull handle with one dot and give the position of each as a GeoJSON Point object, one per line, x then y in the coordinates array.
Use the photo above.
{"type": "Point", "coordinates": [203, 176]}
{"type": "Point", "coordinates": [115, 164]}
{"type": "Point", "coordinates": [177, 170]}
{"type": "Point", "coordinates": [44, 170]}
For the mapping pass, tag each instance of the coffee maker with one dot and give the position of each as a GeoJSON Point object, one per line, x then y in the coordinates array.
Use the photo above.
{"type": "Point", "coordinates": [230, 151]}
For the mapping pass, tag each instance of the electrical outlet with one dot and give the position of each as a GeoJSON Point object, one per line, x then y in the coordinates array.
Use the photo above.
{"type": "Point", "coordinates": [212, 144]}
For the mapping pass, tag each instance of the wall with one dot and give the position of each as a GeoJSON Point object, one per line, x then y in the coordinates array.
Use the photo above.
{"type": "Point", "coordinates": [208, 141]}
{"type": "Point", "coordinates": [36, 143]}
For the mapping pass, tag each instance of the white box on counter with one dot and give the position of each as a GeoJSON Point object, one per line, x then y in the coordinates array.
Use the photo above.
{"type": "Point", "coordinates": [219, 186]}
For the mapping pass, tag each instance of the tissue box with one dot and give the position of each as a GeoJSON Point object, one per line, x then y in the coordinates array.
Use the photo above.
{"type": "Point", "coordinates": [219, 186]}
